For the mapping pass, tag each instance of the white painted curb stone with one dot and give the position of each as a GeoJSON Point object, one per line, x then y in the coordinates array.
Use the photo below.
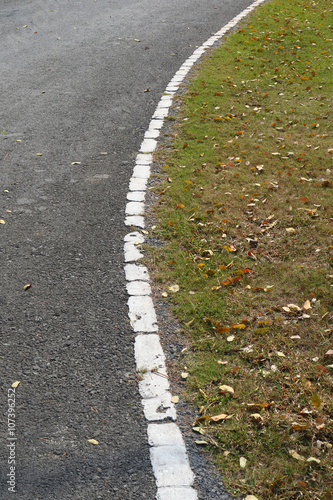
{"type": "Point", "coordinates": [170, 463]}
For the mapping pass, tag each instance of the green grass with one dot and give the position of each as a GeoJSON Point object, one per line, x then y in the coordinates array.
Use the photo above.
{"type": "Point", "coordinates": [245, 212]}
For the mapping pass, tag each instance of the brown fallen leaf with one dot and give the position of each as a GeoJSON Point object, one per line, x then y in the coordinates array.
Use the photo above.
{"type": "Point", "coordinates": [222, 416]}
{"type": "Point", "coordinates": [27, 286]}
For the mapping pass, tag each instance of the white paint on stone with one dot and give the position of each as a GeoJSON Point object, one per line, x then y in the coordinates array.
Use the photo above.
{"type": "Point", "coordinates": [166, 434]}
{"type": "Point", "coordinates": [134, 272]}
{"type": "Point", "coordinates": [135, 220]}
{"type": "Point", "coordinates": [153, 384]}
{"type": "Point", "coordinates": [180, 493]}
{"type": "Point", "coordinates": [136, 195]}
{"type": "Point", "coordinates": [142, 314]}
{"type": "Point", "coordinates": [148, 145]}
{"type": "Point", "coordinates": [144, 158]}
{"type": "Point", "coordinates": [152, 134]}
{"type": "Point", "coordinates": [137, 184]}
{"type": "Point", "coordinates": [141, 171]}
{"type": "Point", "coordinates": [131, 252]}
{"type": "Point", "coordinates": [171, 466]}
{"type": "Point", "coordinates": [135, 208]}
{"type": "Point", "coordinates": [159, 408]}
{"type": "Point", "coordinates": [138, 288]}
{"type": "Point", "coordinates": [149, 354]}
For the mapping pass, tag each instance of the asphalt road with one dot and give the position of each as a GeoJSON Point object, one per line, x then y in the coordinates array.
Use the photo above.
{"type": "Point", "coordinates": [73, 77]}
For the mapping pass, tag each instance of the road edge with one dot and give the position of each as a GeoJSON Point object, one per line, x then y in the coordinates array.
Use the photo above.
{"type": "Point", "coordinates": [169, 458]}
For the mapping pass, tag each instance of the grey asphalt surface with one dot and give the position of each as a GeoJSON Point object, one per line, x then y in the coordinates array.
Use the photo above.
{"type": "Point", "coordinates": [72, 82]}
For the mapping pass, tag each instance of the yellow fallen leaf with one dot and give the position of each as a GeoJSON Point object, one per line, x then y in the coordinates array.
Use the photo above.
{"type": "Point", "coordinates": [76, 163]}
{"type": "Point", "coordinates": [250, 497]}
{"type": "Point", "coordinates": [93, 441]}
{"type": "Point", "coordinates": [174, 288]}
{"type": "Point", "coordinates": [280, 354]}
{"type": "Point", "coordinates": [200, 430]}
{"type": "Point", "coordinates": [27, 286]}
{"type": "Point", "coordinates": [315, 400]}
{"type": "Point", "coordinates": [290, 230]}
{"type": "Point", "coordinates": [226, 453]}
{"type": "Point", "coordinates": [257, 417]}
{"type": "Point", "coordinates": [313, 459]}
{"type": "Point", "coordinates": [16, 384]}
{"type": "Point", "coordinates": [2, 221]}
{"type": "Point", "coordinates": [185, 375]}
{"type": "Point", "coordinates": [164, 294]}
{"type": "Point", "coordinates": [39, 154]}
{"type": "Point", "coordinates": [103, 153]}
{"type": "Point", "coordinates": [231, 338]}
{"type": "Point", "coordinates": [226, 388]}
{"type": "Point", "coordinates": [201, 442]}
{"type": "Point", "coordinates": [242, 462]}
{"type": "Point", "coordinates": [175, 399]}
{"type": "Point", "coordinates": [295, 455]}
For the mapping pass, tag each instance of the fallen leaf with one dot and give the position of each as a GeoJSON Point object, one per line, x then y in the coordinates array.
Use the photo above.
{"type": "Point", "coordinates": [280, 354]}
{"type": "Point", "coordinates": [185, 375]}
{"type": "Point", "coordinates": [199, 420]}
{"type": "Point", "coordinates": [174, 288]}
{"type": "Point", "coordinates": [230, 338]}
{"type": "Point", "coordinates": [175, 399]}
{"type": "Point", "coordinates": [250, 497]}
{"type": "Point", "coordinates": [2, 221]}
{"type": "Point", "coordinates": [93, 441]}
{"type": "Point", "coordinates": [226, 388]}
{"type": "Point", "coordinates": [290, 230]}
{"type": "Point", "coordinates": [164, 294]}
{"type": "Point", "coordinates": [306, 305]}
{"type": "Point", "coordinates": [239, 327]}
{"type": "Point", "coordinates": [222, 416]}
{"type": "Point", "coordinates": [242, 462]}
{"type": "Point", "coordinates": [315, 400]}
{"type": "Point", "coordinates": [313, 459]}
{"type": "Point", "coordinates": [200, 430]}
{"type": "Point", "coordinates": [201, 442]}
{"type": "Point", "coordinates": [76, 163]}
{"type": "Point", "coordinates": [329, 352]}
{"type": "Point", "coordinates": [16, 384]}
{"type": "Point", "coordinates": [27, 286]}
{"type": "Point", "coordinates": [260, 405]}
{"type": "Point", "coordinates": [257, 417]}
{"type": "Point", "coordinates": [295, 455]}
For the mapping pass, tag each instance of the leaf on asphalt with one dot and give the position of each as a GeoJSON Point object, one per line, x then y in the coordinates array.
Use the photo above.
{"type": "Point", "coordinates": [16, 384]}
{"type": "Point", "coordinates": [103, 153]}
{"type": "Point", "coordinates": [93, 441]}
{"type": "Point", "coordinates": [175, 399]}
{"type": "Point", "coordinates": [2, 221]}
{"type": "Point", "coordinates": [296, 456]}
{"type": "Point", "coordinates": [39, 154]}
{"type": "Point", "coordinates": [222, 416]}
{"type": "Point", "coordinates": [315, 400]}
{"type": "Point", "coordinates": [137, 40]}
{"type": "Point", "coordinates": [26, 287]}
{"type": "Point", "coordinates": [173, 288]}
{"type": "Point", "coordinates": [226, 388]}
{"type": "Point", "coordinates": [76, 163]}
{"type": "Point", "coordinates": [242, 462]}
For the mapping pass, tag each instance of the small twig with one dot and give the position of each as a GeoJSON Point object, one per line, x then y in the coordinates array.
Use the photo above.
{"type": "Point", "coordinates": [163, 375]}
{"type": "Point", "coordinates": [6, 155]}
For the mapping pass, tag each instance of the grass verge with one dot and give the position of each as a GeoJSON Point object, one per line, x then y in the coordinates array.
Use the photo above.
{"type": "Point", "coordinates": [245, 212]}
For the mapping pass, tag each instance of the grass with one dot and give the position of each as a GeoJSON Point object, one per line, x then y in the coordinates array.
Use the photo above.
{"type": "Point", "coordinates": [245, 211]}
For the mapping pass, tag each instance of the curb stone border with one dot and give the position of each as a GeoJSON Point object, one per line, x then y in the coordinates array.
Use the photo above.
{"type": "Point", "coordinates": [168, 455]}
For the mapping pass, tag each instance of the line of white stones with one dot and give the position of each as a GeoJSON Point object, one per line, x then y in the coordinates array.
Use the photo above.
{"type": "Point", "coordinates": [170, 463]}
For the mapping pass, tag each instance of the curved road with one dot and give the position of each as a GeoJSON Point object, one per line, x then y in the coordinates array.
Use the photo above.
{"type": "Point", "coordinates": [73, 76]}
